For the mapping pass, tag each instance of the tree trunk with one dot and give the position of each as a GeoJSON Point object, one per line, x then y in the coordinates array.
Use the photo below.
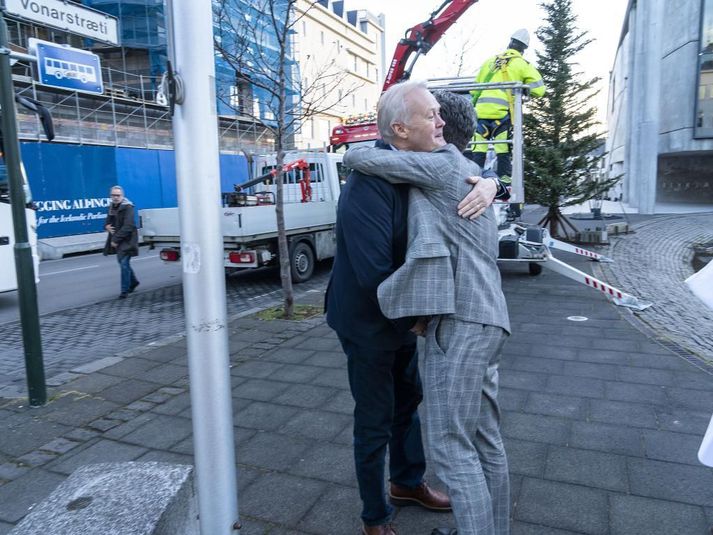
{"type": "Point", "coordinates": [283, 248]}
{"type": "Point", "coordinates": [556, 219]}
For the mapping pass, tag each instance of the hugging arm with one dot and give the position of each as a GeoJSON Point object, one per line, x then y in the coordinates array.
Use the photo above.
{"type": "Point", "coordinates": [428, 170]}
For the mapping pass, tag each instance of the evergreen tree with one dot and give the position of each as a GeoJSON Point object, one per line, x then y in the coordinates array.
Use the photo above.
{"type": "Point", "coordinates": [561, 134]}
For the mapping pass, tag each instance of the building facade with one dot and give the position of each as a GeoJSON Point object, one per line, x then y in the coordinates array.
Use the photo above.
{"type": "Point", "coordinates": [124, 136]}
{"type": "Point", "coordinates": [340, 54]}
{"type": "Point", "coordinates": [661, 106]}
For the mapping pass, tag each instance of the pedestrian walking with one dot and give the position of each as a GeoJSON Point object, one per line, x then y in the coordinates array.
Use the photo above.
{"type": "Point", "coordinates": [122, 238]}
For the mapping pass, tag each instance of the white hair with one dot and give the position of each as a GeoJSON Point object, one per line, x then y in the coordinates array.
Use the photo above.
{"type": "Point", "coordinates": [392, 107]}
{"type": "Point", "coordinates": [117, 187]}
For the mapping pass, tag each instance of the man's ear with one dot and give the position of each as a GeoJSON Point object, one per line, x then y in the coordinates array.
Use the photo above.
{"type": "Point", "coordinates": [400, 130]}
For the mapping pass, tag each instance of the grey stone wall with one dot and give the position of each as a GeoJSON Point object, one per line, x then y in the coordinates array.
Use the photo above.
{"type": "Point", "coordinates": [653, 97]}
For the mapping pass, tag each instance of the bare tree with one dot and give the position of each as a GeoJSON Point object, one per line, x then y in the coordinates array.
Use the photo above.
{"type": "Point", "coordinates": [255, 39]}
{"type": "Point", "coordinates": [460, 50]}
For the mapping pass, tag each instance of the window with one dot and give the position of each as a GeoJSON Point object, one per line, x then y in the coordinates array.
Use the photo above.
{"type": "Point", "coordinates": [241, 94]}
{"type": "Point", "coordinates": [316, 174]}
{"type": "Point", "coordinates": [233, 97]}
{"type": "Point", "coordinates": [704, 104]}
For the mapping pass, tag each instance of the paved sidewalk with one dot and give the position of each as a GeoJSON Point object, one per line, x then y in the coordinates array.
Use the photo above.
{"type": "Point", "coordinates": [654, 264]}
{"type": "Point", "coordinates": [602, 424]}
{"type": "Point", "coordinates": [104, 323]}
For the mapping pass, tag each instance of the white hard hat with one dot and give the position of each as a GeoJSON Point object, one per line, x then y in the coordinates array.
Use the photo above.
{"type": "Point", "coordinates": [523, 36]}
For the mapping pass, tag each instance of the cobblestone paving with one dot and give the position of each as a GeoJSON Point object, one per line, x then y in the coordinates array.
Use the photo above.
{"type": "Point", "coordinates": [653, 264]}
{"type": "Point", "coordinates": [82, 335]}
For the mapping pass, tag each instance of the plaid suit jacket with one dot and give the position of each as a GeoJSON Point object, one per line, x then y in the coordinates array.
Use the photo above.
{"type": "Point", "coordinates": [451, 262]}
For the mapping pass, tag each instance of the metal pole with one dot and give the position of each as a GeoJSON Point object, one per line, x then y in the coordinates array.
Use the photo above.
{"type": "Point", "coordinates": [143, 109]}
{"type": "Point", "coordinates": [195, 129]}
{"type": "Point", "coordinates": [517, 152]}
{"type": "Point", "coordinates": [24, 266]}
{"type": "Point", "coordinates": [113, 107]}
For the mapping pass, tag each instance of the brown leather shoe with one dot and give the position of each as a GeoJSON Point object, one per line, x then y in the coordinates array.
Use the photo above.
{"type": "Point", "coordinates": [382, 529]}
{"type": "Point", "coordinates": [422, 495]}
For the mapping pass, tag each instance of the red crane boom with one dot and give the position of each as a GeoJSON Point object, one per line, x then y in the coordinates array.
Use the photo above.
{"type": "Point", "coordinates": [417, 40]}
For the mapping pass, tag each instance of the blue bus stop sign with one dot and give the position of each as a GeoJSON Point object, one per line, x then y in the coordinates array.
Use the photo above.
{"type": "Point", "coordinates": [67, 68]}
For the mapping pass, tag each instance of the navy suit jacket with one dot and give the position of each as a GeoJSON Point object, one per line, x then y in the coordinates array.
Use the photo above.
{"type": "Point", "coordinates": [371, 245]}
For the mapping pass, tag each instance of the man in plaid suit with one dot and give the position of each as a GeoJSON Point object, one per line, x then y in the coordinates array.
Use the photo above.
{"type": "Point", "coordinates": [450, 273]}
{"type": "Point", "coordinates": [381, 353]}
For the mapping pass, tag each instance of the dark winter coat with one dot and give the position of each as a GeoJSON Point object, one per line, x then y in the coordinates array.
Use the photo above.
{"type": "Point", "coordinates": [125, 234]}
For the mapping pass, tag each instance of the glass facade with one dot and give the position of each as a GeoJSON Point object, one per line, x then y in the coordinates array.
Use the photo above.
{"type": "Point", "coordinates": [133, 69]}
{"type": "Point", "coordinates": [143, 47]}
{"type": "Point", "coordinates": [248, 59]}
{"type": "Point", "coordinates": [703, 124]}
{"type": "Point", "coordinates": [685, 179]}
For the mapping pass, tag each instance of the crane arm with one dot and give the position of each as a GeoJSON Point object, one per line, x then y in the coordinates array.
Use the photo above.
{"type": "Point", "coordinates": [420, 39]}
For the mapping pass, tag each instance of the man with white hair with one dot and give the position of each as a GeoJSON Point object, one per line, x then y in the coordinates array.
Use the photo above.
{"type": "Point", "coordinates": [450, 278]}
{"type": "Point", "coordinates": [381, 353]}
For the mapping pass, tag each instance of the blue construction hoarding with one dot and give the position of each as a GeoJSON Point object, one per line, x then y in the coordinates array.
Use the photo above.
{"type": "Point", "coordinates": [70, 183]}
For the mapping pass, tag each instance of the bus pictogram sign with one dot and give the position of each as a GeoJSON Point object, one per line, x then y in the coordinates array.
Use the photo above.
{"type": "Point", "coordinates": [67, 68]}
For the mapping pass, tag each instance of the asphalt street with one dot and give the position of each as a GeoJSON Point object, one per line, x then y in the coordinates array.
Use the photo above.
{"type": "Point", "coordinates": [82, 280]}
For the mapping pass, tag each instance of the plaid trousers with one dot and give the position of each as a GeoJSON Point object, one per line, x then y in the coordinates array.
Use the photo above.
{"type": "Point", "coordinates": [462, 422]}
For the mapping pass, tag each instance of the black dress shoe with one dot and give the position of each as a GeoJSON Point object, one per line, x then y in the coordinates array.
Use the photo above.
{"type": "Point", "coordinates": [444, 531]}
{"type": "Point", "coordinates": [123, 295]}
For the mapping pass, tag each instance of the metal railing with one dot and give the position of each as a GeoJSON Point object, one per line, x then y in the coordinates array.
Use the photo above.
{"type": "Point", "coordinates": [518, 90]}
{"type": "Point", "coordinates": [125, 115]}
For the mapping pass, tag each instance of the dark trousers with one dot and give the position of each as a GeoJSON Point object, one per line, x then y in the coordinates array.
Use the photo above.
{"type": "Point", "coordinates": [386, 387]}
{"type": "Point", "coordinates": [128, 279]}
{"type": "Point", "coordinates": [495, 130]}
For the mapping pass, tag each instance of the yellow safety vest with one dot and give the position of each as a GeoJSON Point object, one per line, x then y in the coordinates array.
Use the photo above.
{"type": "Point", "coordinates": [509, 66]}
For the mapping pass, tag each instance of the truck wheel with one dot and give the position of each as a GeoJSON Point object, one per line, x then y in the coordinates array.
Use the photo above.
{"type": "Point", "coordinates": [535, 268]}
{"type": "Point", "coordinates": [301, 262]}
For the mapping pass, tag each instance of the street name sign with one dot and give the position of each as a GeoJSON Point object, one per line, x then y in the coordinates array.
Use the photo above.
{"type": "Point", "coordinates": [67, 16]}
{"type": "Point", "coordinates": [67, 68]}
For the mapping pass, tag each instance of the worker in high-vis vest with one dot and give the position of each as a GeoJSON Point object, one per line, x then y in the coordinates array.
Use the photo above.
{"type": "Point", "coordinates": [494, 107]}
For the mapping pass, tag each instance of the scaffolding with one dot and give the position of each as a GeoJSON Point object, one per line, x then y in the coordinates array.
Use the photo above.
{"type": "Point", "coordinates": [126, 115]}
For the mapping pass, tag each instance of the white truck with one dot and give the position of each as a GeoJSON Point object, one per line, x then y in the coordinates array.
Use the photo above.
{"type": "Point", "coordinates": [312, 182]}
